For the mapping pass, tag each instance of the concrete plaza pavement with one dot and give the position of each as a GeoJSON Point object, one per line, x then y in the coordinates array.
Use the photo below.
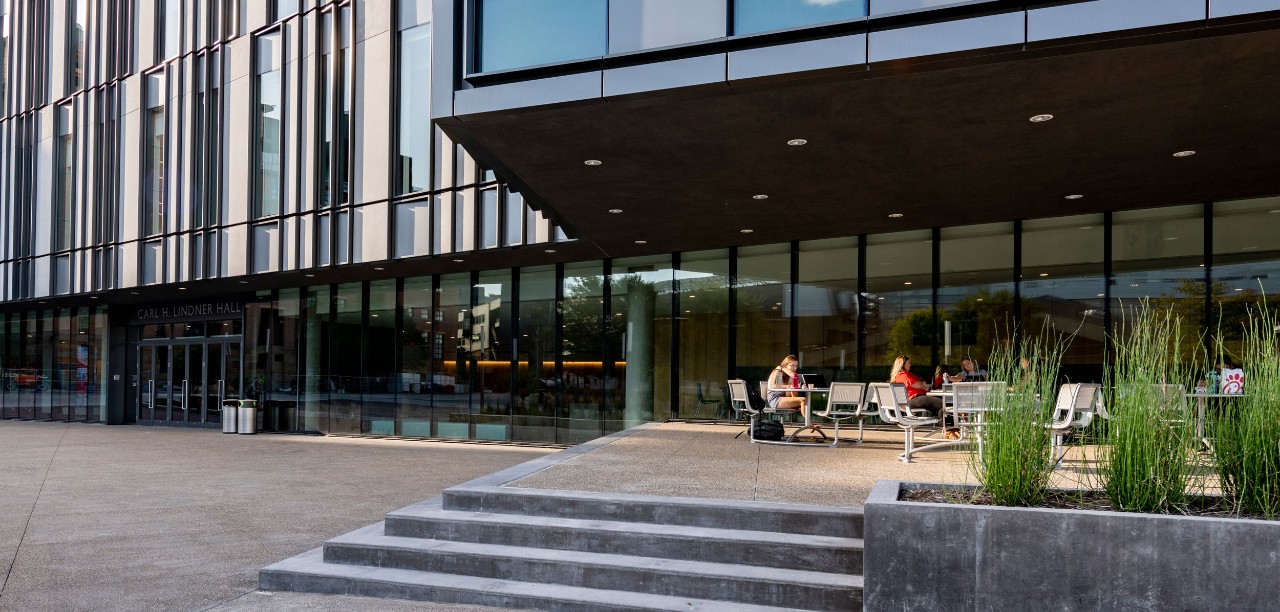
{"type": "Point", "coordinates": [162, 518]}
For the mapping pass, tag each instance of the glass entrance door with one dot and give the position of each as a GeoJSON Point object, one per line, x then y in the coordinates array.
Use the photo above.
{"type": "Point", "coordinates": [187, 382]}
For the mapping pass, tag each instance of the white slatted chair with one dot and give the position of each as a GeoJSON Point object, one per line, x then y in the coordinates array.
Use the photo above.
{"type": "Point", "coordinates": [741, 406]}
{"type": "Point", "coordinates": [892, 400]}
{"type": "Point", "coordinates": [1073, 411]}
{"type": "Point", "coordinates": [971, 401]}
{"type": "Point", "coordinates": [846, 401]}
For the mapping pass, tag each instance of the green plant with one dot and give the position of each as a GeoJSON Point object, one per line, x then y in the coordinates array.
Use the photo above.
{"type": "Point", "coordinates": [1144, 465]}
{"type": "Point", "coordinates": [1014, 463]}
{"type": "Point", "coordinates": [1246, 430]}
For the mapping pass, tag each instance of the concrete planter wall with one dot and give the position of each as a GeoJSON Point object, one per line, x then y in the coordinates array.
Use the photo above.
{"type": "Point", "coordinates": [927, 556]}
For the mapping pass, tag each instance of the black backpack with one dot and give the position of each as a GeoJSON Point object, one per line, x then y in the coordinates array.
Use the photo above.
{"type": "Point", "coordinates": [769, 430]}
{"type": "Point", "coordinates": [753, 398]}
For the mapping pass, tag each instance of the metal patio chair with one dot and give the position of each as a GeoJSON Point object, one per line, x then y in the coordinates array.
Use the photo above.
{"type": "Point", "coordinates": [847, 400]}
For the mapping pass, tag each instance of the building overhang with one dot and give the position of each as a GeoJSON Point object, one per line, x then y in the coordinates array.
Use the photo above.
{"type": "Point", "coordinates": [941, 141]}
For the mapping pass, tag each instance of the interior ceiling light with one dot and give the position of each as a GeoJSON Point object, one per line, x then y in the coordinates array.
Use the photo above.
{"type": "Point", "coordinates": [895, 215]}
{"type": "Point", "coordinates": [458, 261]}
{"type": "Point", "coordinates": [760, 197]}
{"type": "Point", "coordinates": [746, 231]}
{"type": "Point", "coordinates": [309, 275]}
{"type": "Point", "coordinates": [379, 268]}
{"type": "Point", "coordinates": [549, 251]}
{"type": "Point", "coordinates": [642, 242]}
{"type": "Point", "coordinates": [1044, 274]}
{"type": "Point", "coordinates": [907, 283]}
{"type": "Point", "coordinates": [615, 211]}
{"type": "Point", "coordinates": [593, 162]}
{"type": "Point", "coordinates": [1184, 153]}
{"type": "Point", "coordinates": [244, 282]}
{"type": "Point", "coordinates": [182, 288]}
{"type": "Point", "coordinates": [1074, 196]}
{"type": "Point", "coordinates": [1041, 118]}
{"type": "Point", "coordinates": [795, 142]}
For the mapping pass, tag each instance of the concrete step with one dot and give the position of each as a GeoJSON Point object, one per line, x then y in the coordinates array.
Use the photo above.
{"type": "Point", "coordinates": [742, 584]}
{"type": "Point", "coordinates": [307, 573]}
{"type": "Point", "coordinates": [744, 546]}
{"type": "Point", "coordinates": [690, 512]}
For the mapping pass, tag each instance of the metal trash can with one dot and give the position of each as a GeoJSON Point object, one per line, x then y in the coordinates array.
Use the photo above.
{"type": "Point", "coordinates": [248, 416]}
{"type": "Point", "coordinates": [230, 408]}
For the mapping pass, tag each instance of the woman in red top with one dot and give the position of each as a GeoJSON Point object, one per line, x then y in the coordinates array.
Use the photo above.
{"type": "Point", "coordinates": [917, 398]}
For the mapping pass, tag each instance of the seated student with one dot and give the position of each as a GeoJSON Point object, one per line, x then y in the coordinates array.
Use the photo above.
{"type": "Point", "coordinates": [969, 372]}
{"type": "Point", "coordinates": [917, 398]}
{"type": "Point", "coordinates": [784, 376]}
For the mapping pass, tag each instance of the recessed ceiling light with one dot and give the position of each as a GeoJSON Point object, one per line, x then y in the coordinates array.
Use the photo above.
{"type": "Point", "coordinates": [1239, 289]}
{"type": "Point", "coordinates": [1170, 238]}
{"type": "Point", "coordinates": [309, 275]}
{"type": "Point", "coordinates": [1044, 274]}
{"type": "Point", "coordinates": [907, 283]}
{"type": "Point", "coordinates": [133, 293]}
{"type": "Point", "coordinates": [795, 142]}
{"type": "Point", "coordinates": [1102, 295]}
{"type": "Point", "coordinates": [760, 197]}
{"type": "Point", "coordinates": [182, 288]}
{"type": "Point", "coordinates": [379, 268]}
{"type": "Point", "coordinates": [615, 211]}
{"type": "Point", "coordinates": [457, 261]}
{"type": "Point", "coordinates": [1074, 196]}
{"type": "Point", "coordinates": [93, 297]}
{"type": "Point", "coordinates": [895, 215]}
{"type": "Point", "coordinates": [1184, 153]}
{"type": "Point", "coordinates": [1041, 118]}
{"type": "Point", "coordinates": [642, 242]}
{"type": "Point", "coordinates": [1086, 227]}
{"type": "Point", "coordinates": [593, 162]}
{"type": "Point", "coordinates": [746, 231]}
{"type": "Point", "coordinates": [979, 299]}
{"type": "Point", "coordinates": [549, 251]}
{"type": "Point", "coordinates": [244, 282]}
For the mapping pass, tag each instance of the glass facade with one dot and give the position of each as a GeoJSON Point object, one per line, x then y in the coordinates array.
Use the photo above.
{"type": "Point", "coordinates": [752, 16]}
{"type": "Point", "coordinates": [518, 33]}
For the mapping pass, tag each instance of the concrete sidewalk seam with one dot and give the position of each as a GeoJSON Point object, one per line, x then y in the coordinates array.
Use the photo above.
{"type": "Point", "coordinates": [44, 479]}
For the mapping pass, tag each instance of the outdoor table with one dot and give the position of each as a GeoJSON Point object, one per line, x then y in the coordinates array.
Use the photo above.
{"type": "Point", "coordinates": [808, 414]}
{"type": "Point", "coordinates": [1202, 398]}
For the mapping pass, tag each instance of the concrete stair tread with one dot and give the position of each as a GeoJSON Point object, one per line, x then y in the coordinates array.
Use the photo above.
{"type": "Point", "coordinates": [453, 588]}
{"type": "Point", "coordinates": [702, 533]}
{"type": "Point", "coordinates": [798, 578]}
{"type": "Point", "coordinates": [704, 502]}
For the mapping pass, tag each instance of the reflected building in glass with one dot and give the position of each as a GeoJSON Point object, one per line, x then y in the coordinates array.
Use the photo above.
{"type": "Point", "coordinates": [547, 220]}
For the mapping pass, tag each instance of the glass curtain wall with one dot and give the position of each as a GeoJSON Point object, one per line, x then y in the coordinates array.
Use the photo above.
{"type": "Point", "coordinates": [1064, 287]}
{"type": "Point", "coordinates": [417, 358]}
{"type": "Point", "coordinates": [415, 108]}
{"type": "Point", "coordinates": [975, 293]}
{"type": "Point", "coordinates": [316, 385]}
{"type": "Point", "coordinates": [490, 353]}
{"type": "Point", "coordinates": [154, 181]}
{"type": "Point", "coordinates": [583, 379]}
{"type": "Point", "coordinates": [345, 342]}
{"type": "Point", "coordinates": [826, 309]}
{"type": "Point", "coordinates": [762, 330]}
{"type": "Point", "coordinates": [641, 291]}
{"type": "Point", "coordinates": [1246, 267]}
{"type": "Point", "coordinates": [287, 348]}
{"type": "Point", "coordinates": [536, 384]}
{"type": "Point", "coordinates": [899, 302]}
{"type": "Point", "coordinates": [702, 283]}
{"type": "Point", "coordinates": [1158, 254]}
{"type": "Point", "coordinates": [516, 33]}
{"type": "Point", "coordinates": [752, 16]}
{"type": "Point", "coordinates": [452, 401]}
{"type": "Point", "coordinates": [381, 380]}
{"type": "Point", "coordinates": [64, 198]}
{"type": "Point", "coordinates": [270, 116]}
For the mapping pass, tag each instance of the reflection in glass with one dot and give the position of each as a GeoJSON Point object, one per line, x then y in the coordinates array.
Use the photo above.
{"type": "Point", "coordinates": [827, 308]}
{"type": "Point", "coordinates": [489, 218]}
{"type": "Point", "coordinates": [344, 363]}
{"type": "Point", "coordinates": [417, 337]}
{"type": "Point", "coordinates": [379, 378]}
{"type": "Point", "coordinates": [640, 339]}
{"type": "Point", "coordinates": [153, 204]}
{"type": "Point", "coordinates": [752, 16]}
{"type": "Point", "coordinates": [1246, 265]}
{"type": "Point", "coordinates": [650, 24]}
{"type": "Point", "coordinates": [316, 385]}
{"type": "Point", "coordinates": [975, 296]}
{"type": "Point", "coordinates": [535, 387]}
{"type": "Point", "coordinates": [763, 328]}
{"type": "Point", "coordinates": [490, 348]}
{"type": "Point", "coordinates": [518, 33]}
{"type": "Point", "coordinates": [1063, 286]}
{"type": "Point", "coordinates": [452, 400]}
{"type": "Point", "coordinates": [65, 197]}
{"type": "Point", "coordinates": [267, 202]}
{"type": "Point", "coordinates": [415, 109]}
{"type": "Point", "coordinates": [703, 313]}
{"type": "Point", "coordinates": [899, 302]}
{"type": "Point", "coordinates": [583, 382]}
{"type": "Point", "coordinates": [1159, 254]}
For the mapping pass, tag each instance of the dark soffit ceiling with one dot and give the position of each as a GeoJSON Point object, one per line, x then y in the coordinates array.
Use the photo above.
{"type": "Point", "coordinates": [943, 143]}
